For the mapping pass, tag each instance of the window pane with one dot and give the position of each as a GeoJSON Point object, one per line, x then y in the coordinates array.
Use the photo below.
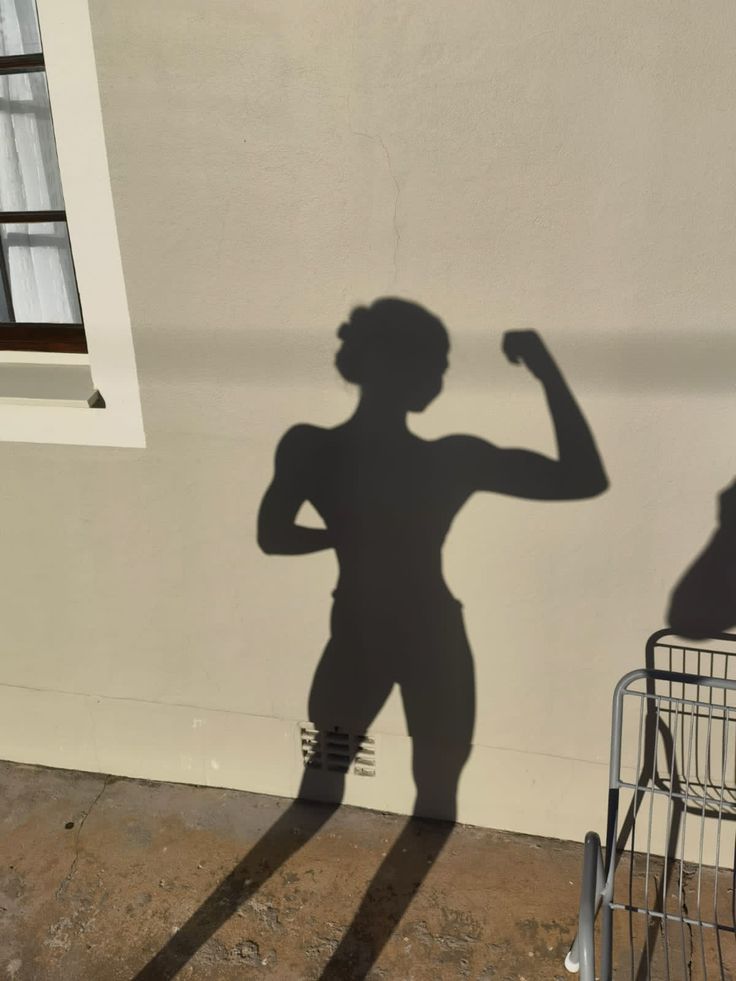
{"type": "Point", "coordinates": [19, 27]}
{"type": "Point", "coordinates": [29, 170]}
{"type": "Point", "coordinates": [39, 263]}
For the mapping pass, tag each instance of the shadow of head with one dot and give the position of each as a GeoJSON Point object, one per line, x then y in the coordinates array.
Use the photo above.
{"type": "Point", "coordinates": [396, 352]}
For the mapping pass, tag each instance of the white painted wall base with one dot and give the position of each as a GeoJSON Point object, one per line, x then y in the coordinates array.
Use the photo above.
{"type": "Point", "coordinates": [186, 744]}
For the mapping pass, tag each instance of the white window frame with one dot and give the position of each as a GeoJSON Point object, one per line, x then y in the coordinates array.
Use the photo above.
{"type": "Point", "coordinates": [71, 72]}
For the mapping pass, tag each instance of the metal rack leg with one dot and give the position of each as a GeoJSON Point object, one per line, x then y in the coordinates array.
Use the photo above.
{"type": "Point", "coordinates": [582, 953]}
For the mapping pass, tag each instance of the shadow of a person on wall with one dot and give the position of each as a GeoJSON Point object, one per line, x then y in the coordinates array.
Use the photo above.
{"type": "Point", "coordinates": [387, 499]}
{"type": "Point", "coordinates": [703, 603]}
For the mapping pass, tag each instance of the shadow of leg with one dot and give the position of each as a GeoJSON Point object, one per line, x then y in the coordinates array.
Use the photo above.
{"type": "Point", "coordinates": [436, 774]}
{"type": "Point", "coordinates": [387, 898]}
{"type": "Point", "coordinates": [300, 822]}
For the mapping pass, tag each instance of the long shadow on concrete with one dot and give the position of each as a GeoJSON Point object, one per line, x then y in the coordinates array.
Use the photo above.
{"type": "Point", "coordinates": [387, 500]}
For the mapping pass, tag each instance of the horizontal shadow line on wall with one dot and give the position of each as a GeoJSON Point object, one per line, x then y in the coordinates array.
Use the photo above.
{"type": "Point", "coordinates": [654, 362]}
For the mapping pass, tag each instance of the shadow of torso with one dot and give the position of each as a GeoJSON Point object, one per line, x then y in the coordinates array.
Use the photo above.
{"type": "Point", "coordinates": [388, 504]}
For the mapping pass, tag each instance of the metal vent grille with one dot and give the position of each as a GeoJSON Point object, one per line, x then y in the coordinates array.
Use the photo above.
{"type": "Point", "coordinates": [338, 751]}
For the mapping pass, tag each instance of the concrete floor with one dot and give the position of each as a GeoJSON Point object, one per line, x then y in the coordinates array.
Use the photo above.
{"type": "Point", "coordinates": [98, 875]}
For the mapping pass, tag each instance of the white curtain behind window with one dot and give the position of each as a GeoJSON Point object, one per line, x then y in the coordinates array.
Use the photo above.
{"type": "Point", "coordinates": [37, 256]}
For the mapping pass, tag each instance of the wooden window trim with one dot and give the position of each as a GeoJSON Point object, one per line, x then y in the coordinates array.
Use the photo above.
{"type": "Point", "coordinates": [22, 63]}
{"type": "Point", "coordinates": [57, 338]}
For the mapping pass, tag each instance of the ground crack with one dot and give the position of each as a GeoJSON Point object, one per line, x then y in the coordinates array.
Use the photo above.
{"type": "Point", "coordinates": [689, 927]}
{"type": "Point", "coordinates": [75, 861]}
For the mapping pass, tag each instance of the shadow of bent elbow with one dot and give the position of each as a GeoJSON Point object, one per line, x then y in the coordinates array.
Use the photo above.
{"type": "Point", "coordinates": [598, 486]}
{"type": "Point", "coordinates": [583, 489]}
{"type": "Point", "coordinates": [266, 543]}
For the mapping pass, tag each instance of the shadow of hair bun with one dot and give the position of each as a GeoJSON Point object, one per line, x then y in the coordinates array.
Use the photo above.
{"type": "Point", "coordinates": [384, 335]}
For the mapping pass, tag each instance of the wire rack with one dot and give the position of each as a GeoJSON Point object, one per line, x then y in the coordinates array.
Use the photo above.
{"type": "Point", "coordinates": [666, 886]}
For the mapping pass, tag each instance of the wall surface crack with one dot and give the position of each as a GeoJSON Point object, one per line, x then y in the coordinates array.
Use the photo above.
{"type": "Point", "coordinates": [377, 138]}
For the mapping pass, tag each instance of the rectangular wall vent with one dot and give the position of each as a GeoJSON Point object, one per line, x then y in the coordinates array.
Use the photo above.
{"type": "Point", "coordinates": [338, 751]}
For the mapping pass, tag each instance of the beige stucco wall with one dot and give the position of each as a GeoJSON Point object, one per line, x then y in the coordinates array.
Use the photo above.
{"type": "Point", "coordinates": [565, 166]}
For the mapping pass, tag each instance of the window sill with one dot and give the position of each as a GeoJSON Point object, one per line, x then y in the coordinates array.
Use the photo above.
{"type": "Point", "coordinates": [47, 397]}
{"type": "Point", "coordinates": [48, 383]}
